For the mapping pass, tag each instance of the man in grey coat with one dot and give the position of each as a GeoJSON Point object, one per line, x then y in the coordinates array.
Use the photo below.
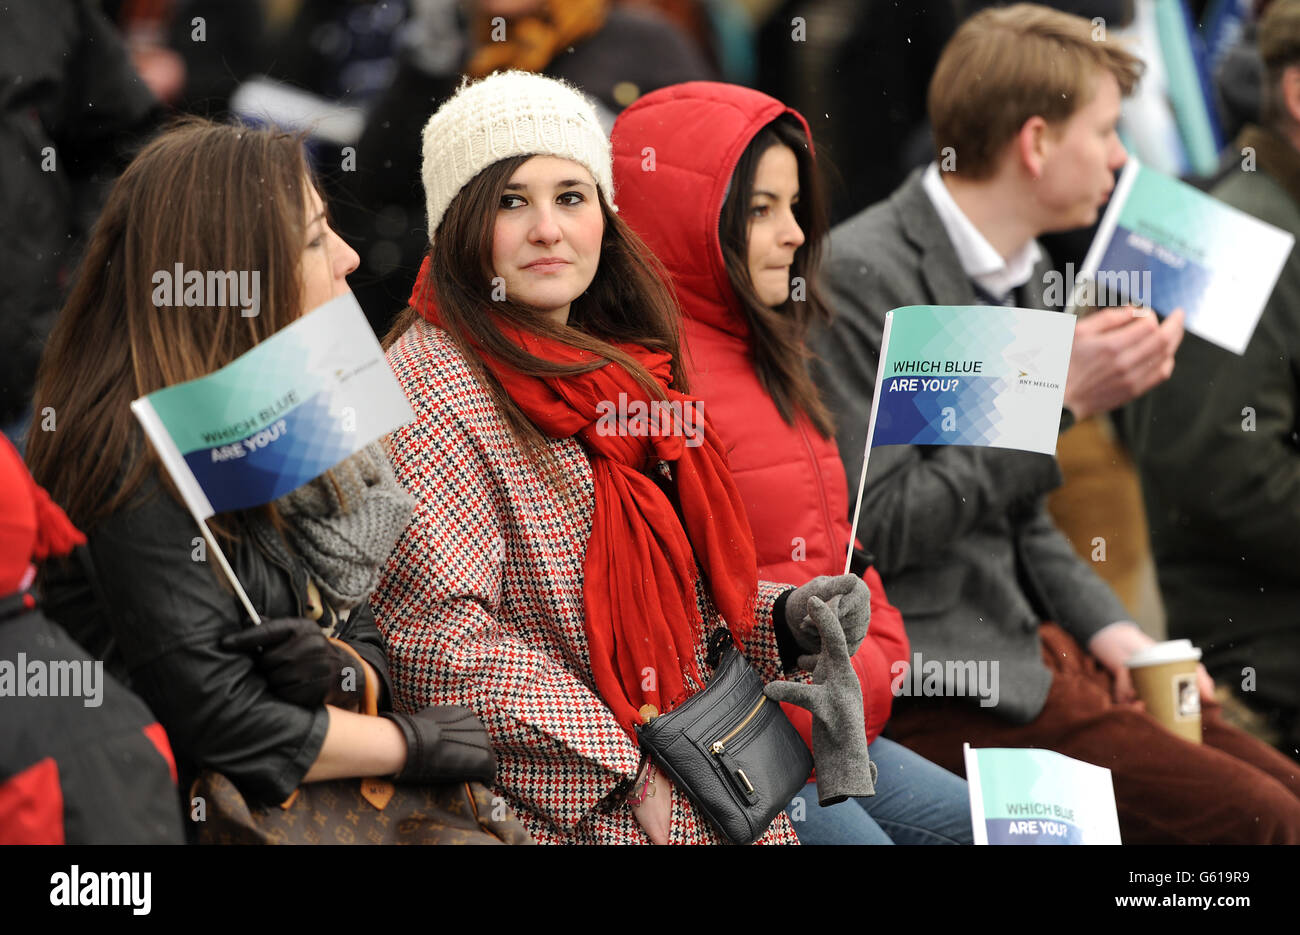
{"type": "Point", "coordinates": [1024, 104]}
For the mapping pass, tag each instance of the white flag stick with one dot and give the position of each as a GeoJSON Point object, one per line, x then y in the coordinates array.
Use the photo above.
{"type": "Point", "coordinates": [871, 434]}
{"type": "Point", "coordinates": [191, 493]}
{"type": "Point", "coordinates": [225, 566]}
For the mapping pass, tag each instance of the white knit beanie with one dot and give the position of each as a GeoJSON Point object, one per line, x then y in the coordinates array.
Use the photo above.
{"type": "Point", "coordinates": [513, 113]}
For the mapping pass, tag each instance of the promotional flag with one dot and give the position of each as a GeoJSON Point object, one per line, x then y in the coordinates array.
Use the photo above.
{"type": "Point", "coordinates": [1166, 245]}
{"type": "Point", "coordinates": [306, 398]}
{"type": "Point", "coordinates": [969, 375]}
{"type": "Point", "coordinates": [312, 394]}
{"type": "Point", "coordinates": [1030, 796]}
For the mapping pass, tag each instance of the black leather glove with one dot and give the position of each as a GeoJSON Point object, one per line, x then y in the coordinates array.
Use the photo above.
{"type": "Point", "coordinates": [300, 664]}
{"type": "Point", "coordinates": [445, 743]}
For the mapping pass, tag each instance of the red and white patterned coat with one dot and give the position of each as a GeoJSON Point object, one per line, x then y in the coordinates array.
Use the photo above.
{"type": "Point", "coordinates": [481, 604]}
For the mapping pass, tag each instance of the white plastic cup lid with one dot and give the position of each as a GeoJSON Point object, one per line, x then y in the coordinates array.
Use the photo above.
{"type": "Point", "coordinates": [1161, 653]}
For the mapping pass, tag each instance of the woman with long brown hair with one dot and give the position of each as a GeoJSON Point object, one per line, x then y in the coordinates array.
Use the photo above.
{"type": "Point", "coordinates": [735, 212]}
{"type": "Point", "coordinates": [268, 706]}
{"type": "Point", "coordinates": [568, 552]}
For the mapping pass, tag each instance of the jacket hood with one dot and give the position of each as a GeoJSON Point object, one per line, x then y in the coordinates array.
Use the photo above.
{"type": "Point", "coordinates": [675, 151]}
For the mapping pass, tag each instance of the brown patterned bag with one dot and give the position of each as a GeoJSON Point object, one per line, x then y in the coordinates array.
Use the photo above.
{"type": "Point", "coordinates": [357, 811]}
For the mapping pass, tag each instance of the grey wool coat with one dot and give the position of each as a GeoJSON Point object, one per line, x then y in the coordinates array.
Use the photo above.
{"type": "Point", "coordinates": [961, 535]}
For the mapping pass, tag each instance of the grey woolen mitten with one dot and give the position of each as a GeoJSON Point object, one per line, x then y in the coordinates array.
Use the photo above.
{"type": "Point", "coordinates": [847, 596]}
{"type": "Point", "coordinates": [839, 733]}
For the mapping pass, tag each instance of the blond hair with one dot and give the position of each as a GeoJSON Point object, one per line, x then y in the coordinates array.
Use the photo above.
{"type": "Point", "coordinates": [1007, 64]}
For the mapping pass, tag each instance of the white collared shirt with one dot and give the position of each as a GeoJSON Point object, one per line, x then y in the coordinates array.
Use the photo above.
{"type": "Point", "coordinates": [979, 260]}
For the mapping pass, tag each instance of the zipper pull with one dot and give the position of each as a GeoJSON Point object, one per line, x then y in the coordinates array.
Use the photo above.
{"type": "Point", "coordinates": [739, 781]}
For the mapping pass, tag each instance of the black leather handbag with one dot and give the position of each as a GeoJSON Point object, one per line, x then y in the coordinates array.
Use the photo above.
{"type": "Point", "coordinates": [730, 748]}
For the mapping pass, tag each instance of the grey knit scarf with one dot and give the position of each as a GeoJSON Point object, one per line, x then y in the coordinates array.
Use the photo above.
{"type": "Point", "coordinates": [343, 525]}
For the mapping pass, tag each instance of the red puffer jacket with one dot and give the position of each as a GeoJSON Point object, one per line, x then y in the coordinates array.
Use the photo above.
{"type": "Point", "coordinates": [674, 154]}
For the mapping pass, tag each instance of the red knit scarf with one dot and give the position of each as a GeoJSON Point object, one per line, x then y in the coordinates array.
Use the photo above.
{"type": "Point", "coordinates": [642, 621]}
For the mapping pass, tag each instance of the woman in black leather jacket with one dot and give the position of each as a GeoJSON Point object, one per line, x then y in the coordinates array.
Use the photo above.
{"type": "Point", "coordinates": [270, 706]}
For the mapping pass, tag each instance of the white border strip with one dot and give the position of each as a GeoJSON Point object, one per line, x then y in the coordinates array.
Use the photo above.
{"type": "Point", "coordinates": [172, 459]}
{"type": "Point", "coordinates": [1106, 229]}
{"type": "Point", "coordinates": [978, 826]}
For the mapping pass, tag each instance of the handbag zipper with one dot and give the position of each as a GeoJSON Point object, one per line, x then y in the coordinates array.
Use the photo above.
{"type": "Point", "coordinates": [719, 747]}
{"type": "Point", "coordinates": [730, 768]}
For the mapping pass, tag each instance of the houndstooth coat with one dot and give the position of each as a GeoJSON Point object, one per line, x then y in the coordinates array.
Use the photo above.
{"type": "Point", "coordinates": [481, 605]}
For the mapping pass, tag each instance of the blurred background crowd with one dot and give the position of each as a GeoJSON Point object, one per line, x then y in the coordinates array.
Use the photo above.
{"type": "Point", "coordinates": [90, 80]}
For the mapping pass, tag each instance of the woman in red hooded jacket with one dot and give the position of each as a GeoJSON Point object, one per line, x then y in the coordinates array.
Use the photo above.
{"type": "Point", "coordinates": [719, 181]}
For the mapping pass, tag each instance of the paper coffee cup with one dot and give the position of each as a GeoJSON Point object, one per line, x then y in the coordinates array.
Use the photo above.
{"type": "Point", "coordinates": [1164, 676]}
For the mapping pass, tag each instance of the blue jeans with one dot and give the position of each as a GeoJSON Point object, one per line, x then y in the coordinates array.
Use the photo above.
{"type": "Point", "coordinates": [916, 802]}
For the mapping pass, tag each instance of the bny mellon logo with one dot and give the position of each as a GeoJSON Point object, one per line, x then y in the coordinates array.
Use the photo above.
{"type": "Point", "coordinates": [1024, 379]}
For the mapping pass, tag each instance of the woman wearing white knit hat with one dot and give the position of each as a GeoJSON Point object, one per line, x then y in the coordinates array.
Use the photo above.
{"type": "Point", "coordinates": [566, 557]}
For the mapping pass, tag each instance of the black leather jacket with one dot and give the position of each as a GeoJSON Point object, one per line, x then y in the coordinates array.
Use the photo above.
{"type": "Point", "coordinates": [161, 608]}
